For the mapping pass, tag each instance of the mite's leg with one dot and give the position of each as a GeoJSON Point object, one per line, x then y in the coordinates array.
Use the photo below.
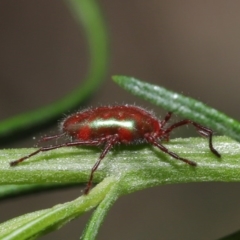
{"type": "Point", "coordinates": [166, 119]}
{"type": "Point", "coordinates": [47, 138]}
{"type": "Point", "coordinates": [165, 136]}
{"type": "Point", "coordinates": [110, 142]}
{"type": "Point", "coordinates": [155, 142]}
{"type": "Point", "coordinates": [204, 131]}
{"type": "Point", "coordinates": [68, 144]}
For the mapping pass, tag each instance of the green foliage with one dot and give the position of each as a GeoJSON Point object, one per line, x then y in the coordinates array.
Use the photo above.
{"type": "Point", "coordinates": [181, 105]}
{"type": "Point", "coordinates": [123, 171]}
{"type": "Point", "coordinates": [130, 169]}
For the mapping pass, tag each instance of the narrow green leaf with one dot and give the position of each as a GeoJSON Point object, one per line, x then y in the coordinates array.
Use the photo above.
{"type": "Point", "coordinates": [181, 105]}
{"type": "Point", "coordinates": [65, 165]}
{"type": "Point", "coordinates": [99, 214]}
{"type": "Point", "coordinates": [129, 169]}
{"type": "Point", "coordinates": [38, 223]}
{"type": "Point", "coordinates": [142, 166]}
{"type": "Point", "coordinates": [89, 16]}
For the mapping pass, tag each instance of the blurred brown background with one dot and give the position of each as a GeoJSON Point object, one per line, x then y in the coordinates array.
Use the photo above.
{"type": "Point", "coordinates": [192, 47]}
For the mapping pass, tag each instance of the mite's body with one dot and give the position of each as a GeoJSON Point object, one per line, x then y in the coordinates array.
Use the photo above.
{"type": "Point", "coordinates": [129, 123]}
{"type": "Point", "coordinates": [124, 124]}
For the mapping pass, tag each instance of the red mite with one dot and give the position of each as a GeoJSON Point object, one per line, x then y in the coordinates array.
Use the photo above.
{"type": "Point", "coordinates": [125, 124]}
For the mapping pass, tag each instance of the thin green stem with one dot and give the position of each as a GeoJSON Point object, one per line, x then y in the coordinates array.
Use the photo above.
{"type": "Point", "coordinates": [129, 169]}
{"type": "Point", "coordinates": [99, 214]}
{"type": "Point", "coordinates": [142, 166]}
{"type": "Point", "coordinates": [38, 223]}
{"type": "Point", "coordinates": [88, 15]}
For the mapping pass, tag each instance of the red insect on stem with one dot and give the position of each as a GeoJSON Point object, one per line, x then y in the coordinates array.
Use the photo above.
{"type": "Point", "coordinates": [124, 124]}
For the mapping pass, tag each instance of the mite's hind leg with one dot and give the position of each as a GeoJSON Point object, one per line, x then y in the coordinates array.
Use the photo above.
{"type": "Point", "coordinates": [155, 142]}
{"type": "Point", "coordinates": [204, 131]}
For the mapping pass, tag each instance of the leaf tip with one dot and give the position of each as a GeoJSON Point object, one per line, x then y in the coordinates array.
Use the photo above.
{"type": "Point", "coordinates": [116, 78]}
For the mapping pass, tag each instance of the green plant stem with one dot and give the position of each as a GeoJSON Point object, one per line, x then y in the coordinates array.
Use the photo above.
{"type": "Point", "coordinates": [129, 169]}
{"type": "Point", "coordinates": [89, 16]}
{"type": "Point", "coordinates": [38, 223]}
{"type": "Point", "coordinates": [147, 165]}
{"type": "Point", "coordinates": [99, 214]}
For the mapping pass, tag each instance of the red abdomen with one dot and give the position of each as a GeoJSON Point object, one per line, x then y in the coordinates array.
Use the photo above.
{"type": "Point", "coordinates": [130, 123]}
